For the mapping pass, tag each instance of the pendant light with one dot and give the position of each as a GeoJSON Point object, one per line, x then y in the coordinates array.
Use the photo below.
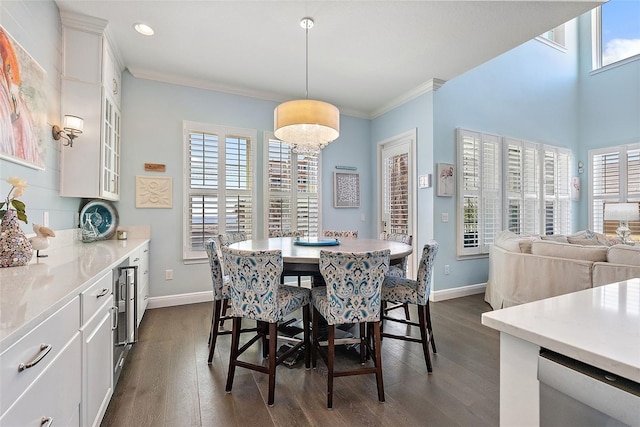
{"type": "Point", "coordinates": [309, 125]}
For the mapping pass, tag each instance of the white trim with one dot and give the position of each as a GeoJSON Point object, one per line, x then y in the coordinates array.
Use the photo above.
{"type": "Point", "coordinates": [462, 291]}
{"type": "Point", "coordinates": [430, 85]}
{"type": "Point", "coordinates": [180, 299]}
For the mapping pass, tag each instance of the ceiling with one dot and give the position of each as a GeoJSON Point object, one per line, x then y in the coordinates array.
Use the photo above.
{"type": "Point", "coordinates": [364, 56]}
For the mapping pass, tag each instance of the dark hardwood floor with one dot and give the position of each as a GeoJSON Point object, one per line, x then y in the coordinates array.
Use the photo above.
{"type": "Point", "coordinates": [166, 380]}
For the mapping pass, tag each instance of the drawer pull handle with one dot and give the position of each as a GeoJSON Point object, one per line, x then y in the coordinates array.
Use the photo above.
{"type": "Point", "coordinates": [44, 350]}
{"type": "Point", "coordinates": [114, 313]}
{"type": "Point", "coordinates": [102, 293]}
{"type": "Point", "coordinates": [46, 422]}
{"type": "Point", "coordinates": [136, 260]}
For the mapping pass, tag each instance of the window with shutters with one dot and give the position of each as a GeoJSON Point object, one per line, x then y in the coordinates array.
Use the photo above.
{"type": "Point", "coordinates": [533, 197]}
{"type": "Point", "coordinates": [291, 189]}
{"type": "Point", "coordinates": [218, 185]}
{"type": "Point", "coordinates": [614, 177]}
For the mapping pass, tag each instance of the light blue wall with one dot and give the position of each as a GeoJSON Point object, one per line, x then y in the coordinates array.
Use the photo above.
{"type": "Point", "coordinates": [153, 113]}
{"type": "Point", "coordinates": [530, 92]}
{"type": "Point", "coordinates": [35, 25]}
{"type": "Point", "coordinates": [609, 106]}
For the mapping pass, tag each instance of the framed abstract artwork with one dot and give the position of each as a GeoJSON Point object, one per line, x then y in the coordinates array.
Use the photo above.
{"type": "Point", "coordinates": [346, 190]}
{"type": "Point", "coordinates": [446, 180]}
{"type": "Point", "coordinates": [23, 105]}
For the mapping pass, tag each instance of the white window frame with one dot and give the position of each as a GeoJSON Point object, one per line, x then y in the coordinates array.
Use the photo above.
{"type": "Point", "coordinates": [596, 44]}
{"type": "Point", "coordinates": [267, 137]}
{"type": "Point", "coordinates": [493, 190]}
{"type": "Point", "coordinates": [625, 191]}
{"type": "Point", "coordinates": [189, 253]}
{"type": "Point", "coordinates": [555, 38]}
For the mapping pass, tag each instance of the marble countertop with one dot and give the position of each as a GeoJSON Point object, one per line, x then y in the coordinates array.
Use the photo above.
{"type": "Point", "coordinates": [599, 326]}
{"type": "Point", "coordinates": [29, 294]}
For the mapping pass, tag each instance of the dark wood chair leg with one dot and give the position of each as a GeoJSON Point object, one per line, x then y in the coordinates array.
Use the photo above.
{"type": "Point", "coordinates": [330, 358]}
{"type": "Point", "coordinates": [430, 328]}
{"type": "Point", "coordinates": [217, 306]}
{"type": "Point", "coordinates": [378, 360]}
{"type": "Point", "coordinates": [406, 311]}
{"type": "Point", "coordinates": [273, 337]}
{"type": "Point", "coordinates": [233, 357]}
{"type": "Point", "coordinates": [225, 307]}
{"type": "Point", "coordinates": [264, 330]}
{"type": "Point", "coordinates": [424, 334]}
{"type": "Point", "coordinates": [363, 344]}
{"type": "Point", "coordinates": [314, 338]}
{"type": "Point", "coordinates": [307, 340]}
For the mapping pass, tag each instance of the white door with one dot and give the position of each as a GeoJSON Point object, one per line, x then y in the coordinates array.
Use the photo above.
{"type": "Point", "coordinates": [396, 188]}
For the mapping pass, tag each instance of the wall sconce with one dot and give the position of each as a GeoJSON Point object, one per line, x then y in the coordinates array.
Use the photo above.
{"type": "Point", "coordinates": [72, 126]}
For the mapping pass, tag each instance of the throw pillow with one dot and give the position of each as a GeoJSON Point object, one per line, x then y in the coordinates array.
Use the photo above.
{"type": "Point", "coordinates": [556, 238]}
{"type": "Point", "coordinates": [584, 241]}
{"type": "Point", "coordinates": [526, 242]}
{"type": "Point", "coordinates": [507, 240]}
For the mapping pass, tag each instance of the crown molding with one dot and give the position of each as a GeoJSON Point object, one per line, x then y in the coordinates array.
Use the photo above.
{"type": "Point", "coordinates": [83, 22]}
{"type": "Point", "coordinates": [431, 85]}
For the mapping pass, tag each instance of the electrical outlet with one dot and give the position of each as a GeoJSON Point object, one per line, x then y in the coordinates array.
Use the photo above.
{"type": "Point", "coordinates": [445, 217]}
{"type": "Point", "coordinates": [446, 269]}
{"type": "Point", "coordinates": [168, 275]}
{"type": "Point", "coordinates": [45, 219]}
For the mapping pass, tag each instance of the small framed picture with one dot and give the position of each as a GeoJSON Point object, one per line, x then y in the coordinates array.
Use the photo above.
{"type": "Point", "coordinates": [346, 190]}
{"type": "Point", "coordinates": [446, 180]}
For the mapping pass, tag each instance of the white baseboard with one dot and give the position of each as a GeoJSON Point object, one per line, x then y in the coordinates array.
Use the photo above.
{"type": "Point", "coordinates": [182, 299]}
{"type": "Point", "coordinates": [206, 296]}
{"type": "Point", "coordinates": [462, 291]}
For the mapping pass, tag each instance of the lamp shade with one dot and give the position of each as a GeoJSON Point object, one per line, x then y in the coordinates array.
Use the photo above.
{"type": "Point", "coordinates": [306, 122]}
{"type": "Point", "coordinates": [73, 124]}
{"type": "Point", "coordinates": [621, 212]}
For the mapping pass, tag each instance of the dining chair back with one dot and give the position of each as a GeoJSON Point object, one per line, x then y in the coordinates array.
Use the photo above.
{"type": "Point", "coordinates": [256, 293]}
{"type": "Point", "coordinates": [351, 234]}
{"type": "Point", "coordinates": [286, 233]}
{"type": "Point", "coordinates": [352, 295]}
{"type": "Point", "coordinates": [404, 290]}
{"type": "Point", "coordinates": [220, 295]}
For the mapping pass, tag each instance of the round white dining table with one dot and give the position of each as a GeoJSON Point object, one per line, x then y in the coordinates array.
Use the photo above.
{"type": "Point", "coordinates": [305, 259]}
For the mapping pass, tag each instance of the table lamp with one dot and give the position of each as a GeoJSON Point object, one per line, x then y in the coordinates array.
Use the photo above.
{"type": "Point", "coordinates": [623, 212]}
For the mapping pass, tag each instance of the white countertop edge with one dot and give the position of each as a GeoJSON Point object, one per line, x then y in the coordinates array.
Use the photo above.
{"type": "Point", "coordinates": [19, 332]}
{"type": "Point", "coordinates": [531, 322]}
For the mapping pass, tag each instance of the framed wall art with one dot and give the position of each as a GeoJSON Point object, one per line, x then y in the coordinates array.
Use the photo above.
{"type": "Point", "coordinates": [154, 192]}
{"type": "Point", "coordinates": [446, 179]}
{"type": "Point", "coordinates": [23, 105]}
{"type": "Point", "coordinates": [346, 190]}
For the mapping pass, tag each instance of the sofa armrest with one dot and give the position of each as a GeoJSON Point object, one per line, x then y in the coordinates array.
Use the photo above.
{"type": "Point", "coordinates": [607, 272]}
{"type": "Point", "coordinates": [517, 278]}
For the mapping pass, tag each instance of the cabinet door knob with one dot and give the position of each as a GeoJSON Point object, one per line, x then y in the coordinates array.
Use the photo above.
{"type": "Point", "coordinates": [44, 350]}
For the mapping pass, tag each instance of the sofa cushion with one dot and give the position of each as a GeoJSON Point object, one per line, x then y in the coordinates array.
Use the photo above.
{"type": "Point", "coordinates": [507, 240]}
{"type": "Point", "coordinates": [567, 250]}
{"type": "Point", "coordinates": [624, 254]}
{"type": "Point", "coordinates": [555, 238]}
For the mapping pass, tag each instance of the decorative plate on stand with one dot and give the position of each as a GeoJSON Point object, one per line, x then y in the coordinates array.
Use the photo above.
{"type": "Point", "coordinates": [103, 215]}
{"type": "Point", "coordinates": [313, 241]}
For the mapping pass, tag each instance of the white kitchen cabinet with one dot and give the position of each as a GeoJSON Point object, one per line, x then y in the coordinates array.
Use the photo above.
{"type": "Point", "coordinates": [40, 375]}
{"type": "Point", "coordinates": [141, 260]}
{"type": "Point", "coordinates": [91, 89]}
{"type": "Point", "coordinates": [97, 350]}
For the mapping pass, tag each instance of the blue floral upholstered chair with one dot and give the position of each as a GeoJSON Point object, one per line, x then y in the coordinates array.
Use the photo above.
{"type": "Point", "coordinates": [402, 290]}
{"type": "Point", "coordinates": [286, 233]}
{"type": "Point", "coordinates": [256, 293]}
{"type": "Point", "coordinates": [220, 288]}
{"type": "Point", "coordinates": [350, 234]}
{"type": "Point", "coordinates": [352, 295]}
{"type": "Point", "coordinates": [399, 270]}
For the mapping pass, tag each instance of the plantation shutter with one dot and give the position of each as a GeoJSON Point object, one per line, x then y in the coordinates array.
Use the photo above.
{"type": "Point", "coordinates": [292, 189]}
{"type": "Point", "coordinates": [480, 199]}
{"type": "Point", "coordinates": [396, 194]}
{"type": "Point", "coordinates": [218, 184]}
{"type": "Point", "coordinates": [522, 202]}
{"type": "Point", "coordinates": [605, 188]}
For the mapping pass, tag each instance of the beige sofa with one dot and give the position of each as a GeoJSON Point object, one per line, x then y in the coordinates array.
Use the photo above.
{"type": "Point", "coordinates": [528, 269]}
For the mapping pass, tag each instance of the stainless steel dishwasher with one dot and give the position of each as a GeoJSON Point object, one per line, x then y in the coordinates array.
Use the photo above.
{"type": "Point", "coordinates": [573, 393]}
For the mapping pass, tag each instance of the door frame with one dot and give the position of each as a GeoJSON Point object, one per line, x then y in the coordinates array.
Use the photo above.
{"type": "Point", "coordinates": [408, 138]}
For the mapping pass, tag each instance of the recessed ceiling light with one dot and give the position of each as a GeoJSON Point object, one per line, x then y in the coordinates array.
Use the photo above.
{"type": "Point", "coordinates": [143, 29]}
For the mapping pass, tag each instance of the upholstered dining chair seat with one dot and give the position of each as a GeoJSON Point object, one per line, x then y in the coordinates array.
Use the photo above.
{"type": "Point", "coordinates": [395, 271]}
{"type": "Point", "coordinates": [289, 300]}
{"type": "Point", "coordinates": [402, 290]}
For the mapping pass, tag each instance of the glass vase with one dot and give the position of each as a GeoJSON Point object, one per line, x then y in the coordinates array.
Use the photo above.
{"type": "Point", "coordinates": [89, 231]}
